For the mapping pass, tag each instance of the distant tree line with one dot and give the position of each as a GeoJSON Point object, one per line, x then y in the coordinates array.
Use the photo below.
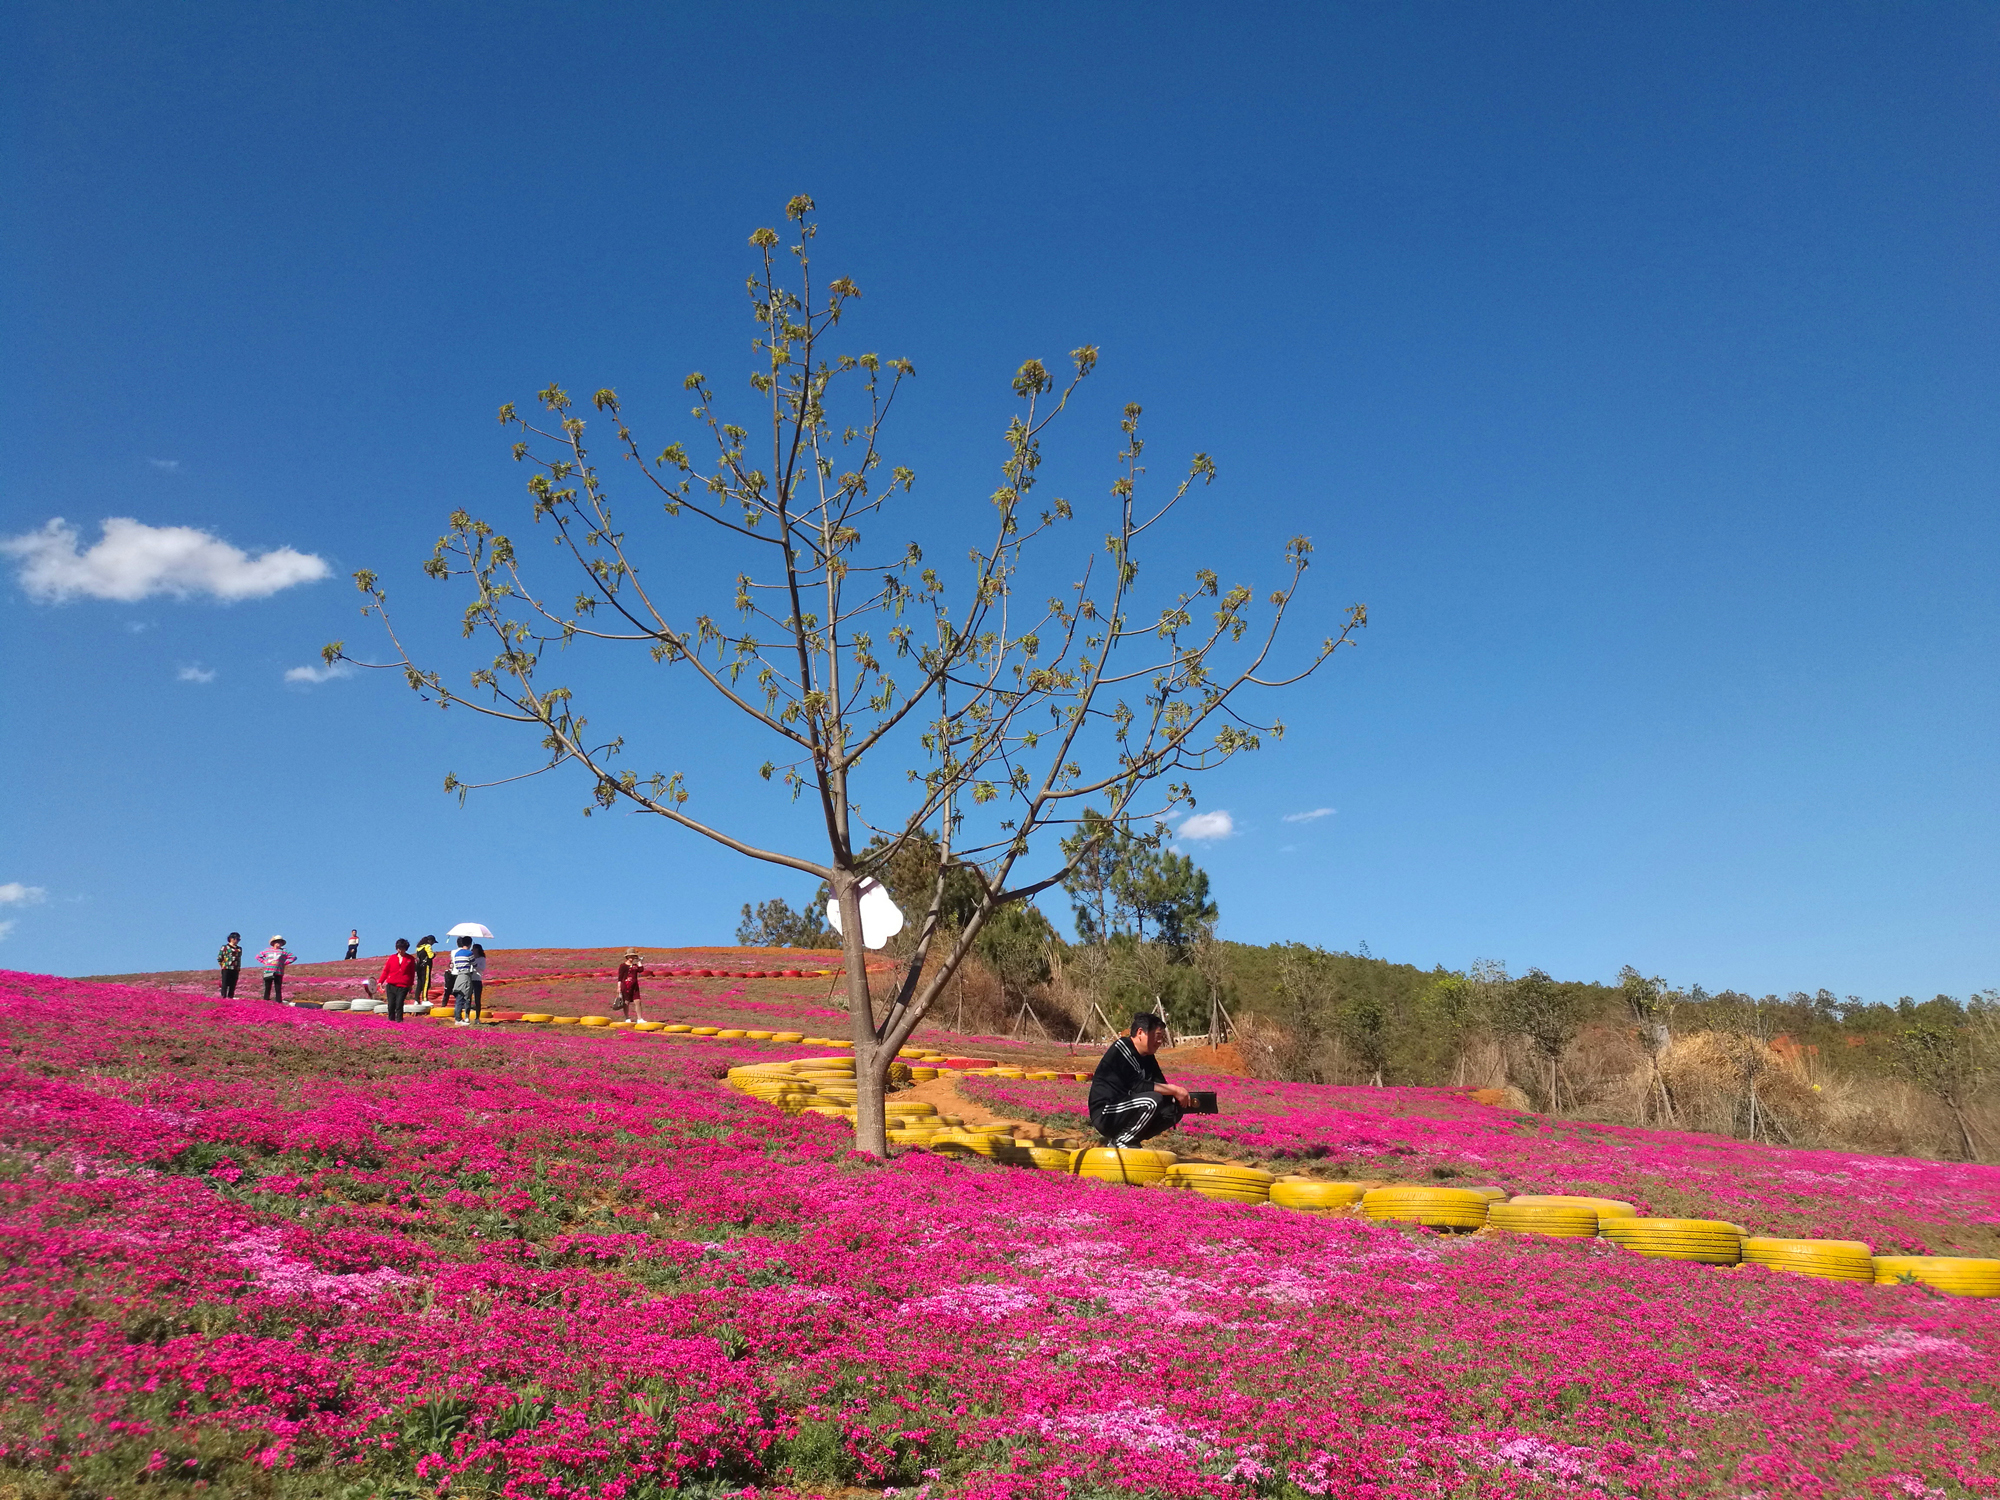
{"type": "Point", "coordinates": [1797, 1068]}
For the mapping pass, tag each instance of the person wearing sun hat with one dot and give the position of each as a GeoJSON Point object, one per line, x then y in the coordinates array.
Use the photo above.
{"type": "Point", "coordinates": [274, 960]}
{"type": "Point", "coordinates": [628, 985]}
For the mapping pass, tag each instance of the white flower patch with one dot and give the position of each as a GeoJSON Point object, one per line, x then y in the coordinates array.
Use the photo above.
{"type": "Point", "coordinates": [978, 1302]}
{"type": "Point", "coordinates": [1143, 1429]}
{"type": "Point", "coordinates": [1077, 1257]}
{"type": "Point", "coordinates": [1891, 1346]}
{"type": "Point", "coordinates": [1707, 1395]}
{"type": "Point", "coordinates": [1292, 1288]}
{"type": "Point", "coordinates": [1069, 1218]}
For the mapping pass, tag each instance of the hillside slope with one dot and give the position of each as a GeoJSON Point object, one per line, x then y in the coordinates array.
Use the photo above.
{"type": "Point", "coordinates": [271, 1251]}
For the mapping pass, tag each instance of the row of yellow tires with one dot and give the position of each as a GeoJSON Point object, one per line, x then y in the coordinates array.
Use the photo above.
{"type": "Point", "coordinates": [826, 1086]}
{"type": "Point", "coordinates": [923, 1062]}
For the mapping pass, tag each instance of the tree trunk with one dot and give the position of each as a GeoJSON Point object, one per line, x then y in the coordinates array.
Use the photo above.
{"type": "Point", "coordinates": [1666, 1099]}
{"type": "Point", "coordinates": [1964, 1132]}
{"type": "Point", "coordinates": [871, 1066]}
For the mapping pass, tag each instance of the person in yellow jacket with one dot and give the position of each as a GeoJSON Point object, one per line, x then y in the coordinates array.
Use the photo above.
{"type": "Point", "coordinates": [425, 955]}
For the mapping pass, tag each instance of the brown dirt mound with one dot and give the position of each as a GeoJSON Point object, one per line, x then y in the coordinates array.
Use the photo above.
{"type": "Point", "coordinates": [1226, 1059]}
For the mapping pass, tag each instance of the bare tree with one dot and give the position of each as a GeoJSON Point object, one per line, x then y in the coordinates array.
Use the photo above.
{"type": "Point", "coordinates": [1651, 1005]}
{"type": "Point", "coordinates": [1944, 1063]}
{"type": "Point", "coordinates": [1003, 715]}
{"type": "Point", "coordinates": [1548, 1016]}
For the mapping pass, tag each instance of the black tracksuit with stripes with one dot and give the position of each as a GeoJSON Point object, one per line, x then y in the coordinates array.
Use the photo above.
{"type": "Point", "coordinates": [1123, 1107]}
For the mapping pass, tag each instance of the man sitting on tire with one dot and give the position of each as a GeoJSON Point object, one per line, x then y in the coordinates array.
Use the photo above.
{"type": "Point", "coordinates": [1130, 1100]}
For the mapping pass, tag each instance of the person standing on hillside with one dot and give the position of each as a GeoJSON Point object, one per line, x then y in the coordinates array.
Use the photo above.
{"type": "Point", "coordinates": [398, 971]}
{"type": "Point", "coordinates": [1130, 1099]}
{"type": "Point", "coordinates": [229, 959]}
{"type": "Point", "coordinates": [274, 961]}
{"type": "Point", "coordinates": [628, 985]}
{"type": "Point", "coordinates": [478, 979]}
{"type": "Point", "coordinates": [353, 942]}
{"type": "Point", "coordinates": [463, 1011]}
{"type": "Point", "coordinates": [426, 956]}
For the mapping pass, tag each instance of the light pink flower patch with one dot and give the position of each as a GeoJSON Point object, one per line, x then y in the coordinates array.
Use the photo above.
{"type": "Point", "coordinates": [261, 1253]}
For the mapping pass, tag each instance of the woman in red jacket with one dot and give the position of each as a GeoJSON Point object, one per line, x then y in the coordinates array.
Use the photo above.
{"type": "Point", "coordinates": [398, 973]}
{"type": "Point", "coordinates": [628, 985]}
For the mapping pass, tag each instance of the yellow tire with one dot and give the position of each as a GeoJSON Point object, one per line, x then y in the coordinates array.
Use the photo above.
{"type": "Point", "coordinates": [1229, 1184]}
{"type": "Point", "coordinates": [1836, 1260]}
{"type": "Point", "coordinates": [1605, 1208]}
{"type": "Point", "coordinates": [679, 1028]}
{"type": "Point", "coordinates": [701, 1031]}
{"type": "Point", "coordinates": [537, 1017]}
{"type": "Point", "coordinates": [1313, 1196]}
{"type": "Point", "coordinates": [565, 1020]}
{"type": "Point", "coordinates": [1133, 1166]}
{"type": "Point", "coordinates": [1957, 1275]}
{"type": "Point", "coordinates": [1434, 1207]}
{"type": "Point", "coordinates": [1563, 1221]}
{"type": "Point", "coordinates": [1241, 1174]}
{"type": "Point", "coordinates": [1711, 1241]}
{"type": "Point", "coordinates": [787, 1036]}
{"type": "Point", "coordinates": [731, 1035]}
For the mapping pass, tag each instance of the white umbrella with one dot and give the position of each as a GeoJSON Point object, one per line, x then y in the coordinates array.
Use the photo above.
{"type": "Point", "coordinates": [881, 918]}
{"type": "Point", "coordinates": [469, 929]}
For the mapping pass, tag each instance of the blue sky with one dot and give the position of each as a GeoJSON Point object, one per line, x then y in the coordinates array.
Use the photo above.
{"type": "Point", "coordinates": [1636, 365]}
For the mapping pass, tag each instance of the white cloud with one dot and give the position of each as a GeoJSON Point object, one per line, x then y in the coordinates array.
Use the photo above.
{"type": "Point", "coordinates": [1308, 817]}
{"type": "Point", "coordinates": [169, 464]}
{"type": "Point", "coordinates": [195, 673]}
{"type": "Point", "coordinates": [134, 561]}
{"type": "Point", "coordinates": [319, 674]}
{"type": "Point", "coordinates": [13, 893]}
{"type": "Point", "coordinates": [1209, 825]}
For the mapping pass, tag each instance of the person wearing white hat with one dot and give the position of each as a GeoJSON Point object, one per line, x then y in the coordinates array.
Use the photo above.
{"type": "Point", "coordinates": [274, 961]}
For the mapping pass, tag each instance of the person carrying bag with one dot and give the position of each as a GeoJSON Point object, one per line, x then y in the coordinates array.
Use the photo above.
{"type": "Point", "coordinates": [627, 1001]}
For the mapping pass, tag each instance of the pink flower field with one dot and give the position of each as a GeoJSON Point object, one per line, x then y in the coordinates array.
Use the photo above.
{"type": "Point", "coordinates": [265, 1251]}
{"type": "Point", "coordinates": [1897, 1204]}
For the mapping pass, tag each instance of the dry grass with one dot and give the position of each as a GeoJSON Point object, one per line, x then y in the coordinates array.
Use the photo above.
{"type": "Point", "coordinates": [1727, 1083]}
